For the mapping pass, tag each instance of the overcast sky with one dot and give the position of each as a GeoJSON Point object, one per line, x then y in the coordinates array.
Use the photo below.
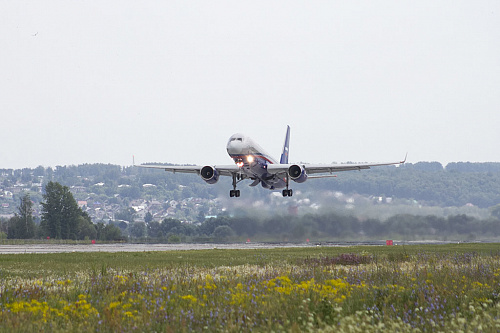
{"type": "Point", "coordinates": [171, 81]}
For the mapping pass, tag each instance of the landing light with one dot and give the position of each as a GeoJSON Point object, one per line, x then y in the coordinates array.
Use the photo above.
{"type": "Point", "coordinates": [239, 164]}
{"type": "Point", "coordinates": [250, 158]}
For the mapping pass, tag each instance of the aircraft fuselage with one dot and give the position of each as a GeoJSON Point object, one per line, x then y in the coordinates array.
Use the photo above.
{"type": "Point", "coordinates": [253, 161]}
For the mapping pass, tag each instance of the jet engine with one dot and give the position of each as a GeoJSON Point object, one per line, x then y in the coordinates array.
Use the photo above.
{"type": "Point", "coordinates": [209, 174]}
{"type": "Point", "coordinates": [297, 173]}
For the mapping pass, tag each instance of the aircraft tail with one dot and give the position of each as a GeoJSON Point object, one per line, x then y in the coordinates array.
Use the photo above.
{"type": "Point", "coordinates": [284, 154]}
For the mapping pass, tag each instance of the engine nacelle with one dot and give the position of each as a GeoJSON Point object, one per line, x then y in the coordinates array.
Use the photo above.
{"type": "Point", "coordinates": [297, 173]}
{"type": "Point", "coordinates": [209, 174]}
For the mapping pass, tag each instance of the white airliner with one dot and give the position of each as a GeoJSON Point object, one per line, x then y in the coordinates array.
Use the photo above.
{"type": "Point", "coordinates": [252, 162]}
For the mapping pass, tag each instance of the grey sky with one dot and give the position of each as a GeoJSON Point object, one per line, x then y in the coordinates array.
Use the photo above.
{"type": "Point", "coordinates": [170, 81]}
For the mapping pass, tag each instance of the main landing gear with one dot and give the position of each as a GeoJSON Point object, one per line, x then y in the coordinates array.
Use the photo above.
{"type": "Point", "coordinates": [234, 193]}
{"type": "Point", "coordinates": [287, 192]}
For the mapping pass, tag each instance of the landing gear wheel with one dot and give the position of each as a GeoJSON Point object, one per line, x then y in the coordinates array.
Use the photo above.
{"type": "Point", "coordinates": [234, 192]}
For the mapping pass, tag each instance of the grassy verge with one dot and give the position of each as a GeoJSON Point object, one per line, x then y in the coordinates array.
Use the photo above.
{"type": "Point", "coordinates": [403, 288]}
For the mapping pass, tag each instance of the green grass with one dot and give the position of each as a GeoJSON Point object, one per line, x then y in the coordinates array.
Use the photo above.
{"type": "Point", "coordinates": [405, 288]}
{"type": "Point", "coordinates": [63, 263]}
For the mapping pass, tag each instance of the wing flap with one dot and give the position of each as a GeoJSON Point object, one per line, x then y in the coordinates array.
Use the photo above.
{"type": "Point", "coordinates": [174, 168]}
{"type": "Point", "coordinates": [224, 170]}
{"type": "Point", "coordinates": [326, 168]}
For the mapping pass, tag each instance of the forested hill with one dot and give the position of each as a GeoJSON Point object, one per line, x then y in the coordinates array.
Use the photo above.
{"type": "Point", "coordinates": [430, 183]}
{"type": "Point", "coordinates": [456, 184]}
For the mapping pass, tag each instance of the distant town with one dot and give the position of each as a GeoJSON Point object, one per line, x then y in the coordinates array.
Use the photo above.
{"type": "Point", "coordinates": [111, 192]}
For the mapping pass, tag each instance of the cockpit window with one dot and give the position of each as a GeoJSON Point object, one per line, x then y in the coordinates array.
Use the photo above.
{"type": "Point", "coordinates": [234, 139]}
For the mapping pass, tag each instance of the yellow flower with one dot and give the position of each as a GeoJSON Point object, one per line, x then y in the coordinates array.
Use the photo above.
{"type": "Point", "coordinates": [190, 298]}
{"type": "Point", "coordinates": [113, 305]}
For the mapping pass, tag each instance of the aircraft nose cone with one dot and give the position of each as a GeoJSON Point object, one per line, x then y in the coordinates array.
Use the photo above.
{"type": "Point", "coordinates": [235, 147]}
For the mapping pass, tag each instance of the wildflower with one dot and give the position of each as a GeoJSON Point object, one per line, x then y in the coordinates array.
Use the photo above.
{"type": "Point", "coordinates": [190, 298]}
{"type": "Point", "coordinates": [113, 305]}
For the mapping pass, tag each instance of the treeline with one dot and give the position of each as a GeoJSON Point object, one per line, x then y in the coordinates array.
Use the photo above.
{"type": "Point", "coordinates": [321, 227]}
{"type": "Point", "coordinates": [430, 183]}
{"type": "Point", "coordinates": [63, 219]}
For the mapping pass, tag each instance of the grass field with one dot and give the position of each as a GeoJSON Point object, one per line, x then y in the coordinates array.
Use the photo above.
{"type": "Point", "coordinates": [322, 289]}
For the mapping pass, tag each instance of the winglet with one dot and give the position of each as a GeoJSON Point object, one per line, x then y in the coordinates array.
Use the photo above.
{"type": "Point", "coordinates": [284, 154]}
{"type": "Point", "coordinates": [404, 161]}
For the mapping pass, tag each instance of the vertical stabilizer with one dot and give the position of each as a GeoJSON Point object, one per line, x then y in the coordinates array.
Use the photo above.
{"type": "Point", "coordinates": [284, 154]}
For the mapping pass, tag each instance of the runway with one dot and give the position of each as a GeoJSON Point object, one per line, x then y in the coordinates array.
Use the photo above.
{"type": "Point", "coordinates": [143, 247]}
{"type": "Point", "coordinates": [128, 247]}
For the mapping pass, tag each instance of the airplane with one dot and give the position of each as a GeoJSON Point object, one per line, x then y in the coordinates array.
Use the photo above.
{"type": "Point", "coordinates": [252, 162]}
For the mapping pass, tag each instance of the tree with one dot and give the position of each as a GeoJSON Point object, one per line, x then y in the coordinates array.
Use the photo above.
{"type": "Point", "coordinates": [22, 225]}
{"type": "Point", "coordinates": [26, 215]}
{"type": "Point", "coordinates": [154, 230]}
{"type": "Point", "coordinates": [168, 224]}
{"type": "Point", "coordinates": [108, 232]}
{"type": "Point", "coordinates": [60, 212]}
{"type": "Point", "coordinates": [223, 232]}
{"type": "Point", "coordinates": [137, 229]}
{"type": "Point", "coordinates": [208, 227]}
{"type": "Point", "coordinates": [13, 228]}
{"type": "Point", "coordinates": [86, 229]}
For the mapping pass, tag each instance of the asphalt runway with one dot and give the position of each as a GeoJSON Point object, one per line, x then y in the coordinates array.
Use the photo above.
{"type": "Point", "coordinates": [130, 247]}
{"type": "Point", "coordinates": [127, 247]}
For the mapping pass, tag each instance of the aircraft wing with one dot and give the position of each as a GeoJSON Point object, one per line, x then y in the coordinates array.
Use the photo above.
{"type": "Point", "coordinates": [311, 169]}
{"type": "Point", "coordinates": [224, 170]}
